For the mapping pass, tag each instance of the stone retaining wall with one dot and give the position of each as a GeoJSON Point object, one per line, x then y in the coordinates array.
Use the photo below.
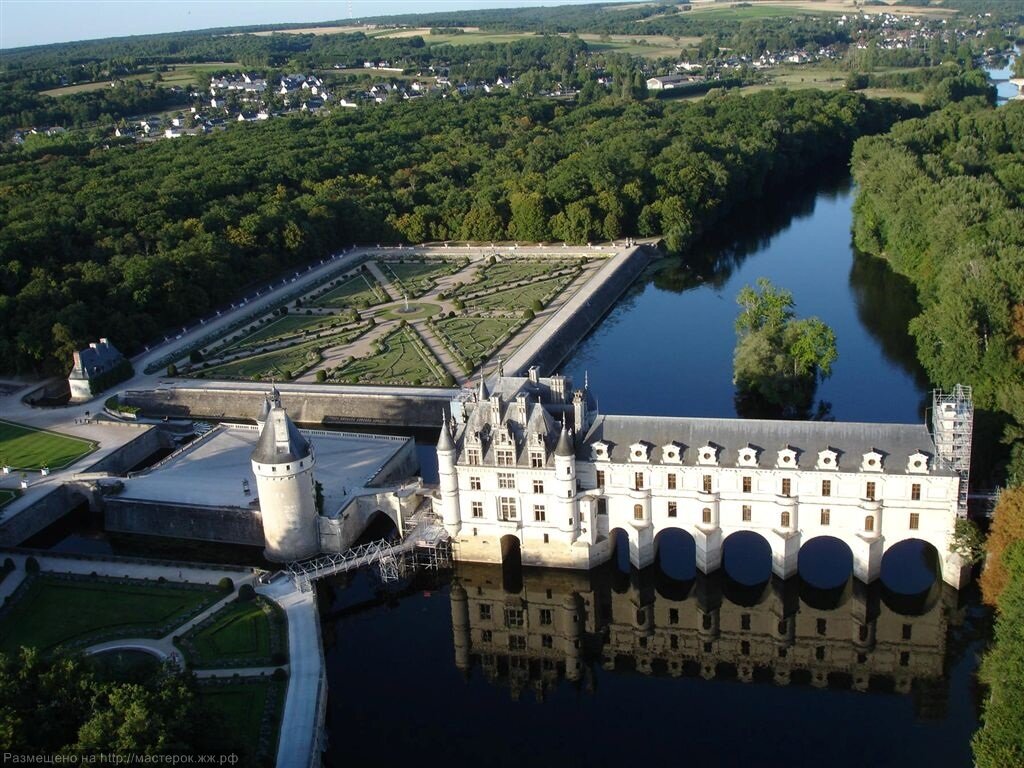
{"type": "Point", "coordinates": [228, 525]}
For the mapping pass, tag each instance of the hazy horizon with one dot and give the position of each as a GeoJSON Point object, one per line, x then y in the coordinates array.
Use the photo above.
{"type": "Point", "coordinates": [45, 22]}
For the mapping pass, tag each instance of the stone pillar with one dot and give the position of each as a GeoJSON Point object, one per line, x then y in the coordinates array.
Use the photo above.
{"type": "Point", "coordinates": [954, 571]}
{"type": "Point", "coordinates": [867, 556]}
{"type": "Point", "coordinates": [572, 624]}
{"type": "Point", "coordinates": [785, 552]}
{"type": "Point", "coordinates": [644, 554]}
{"type": "Point", "coordinates": [708, 539]}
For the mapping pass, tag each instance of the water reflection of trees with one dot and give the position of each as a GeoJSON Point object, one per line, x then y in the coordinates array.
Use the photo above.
{"type": "Point", "coordinates": [564, 625]}
{"type": "Point", "coordinates": [745, 232]}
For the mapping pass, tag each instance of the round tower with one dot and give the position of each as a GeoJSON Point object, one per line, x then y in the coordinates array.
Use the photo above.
{"type": "Point", "coordinates": [451, 513]}
{"type": "Point", "coordinates": [565, 481]}
{"type": "Point", "coordinates": [283, 464]}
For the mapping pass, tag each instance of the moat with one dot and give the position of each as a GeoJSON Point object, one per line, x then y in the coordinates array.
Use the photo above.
{"type": "Point", "coordinates": [610, 666]}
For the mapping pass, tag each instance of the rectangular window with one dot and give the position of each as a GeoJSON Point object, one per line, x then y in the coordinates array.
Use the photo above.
{"type": "Point", "coordinates": [638, 511]}
{"type": "Point", "coordinates": [538, 513]}
{"type": "Point", "coordinates": [486, 636]}
{"type": "Point", "coordinates": [671, 481]}
{"type": "Point", "coordinates": [536, 460]}
{"type": "Point", "coordinates": [505, 457]}
{"type": "Point", "coordinates": [705, 516]}
{"type": "Point", "coordinates": [638, 480]}
{"type": "Point", "coordinates": [516, 643]}
{"type": "Point", "coordinates": [507, 508]}
{"type": "Point", "coordinates": [600, 479]}
{"type": "Point", "coordinates": [474, 483]}
{"type": "Point", "coordinates": [787, 486]}
{"type": "Point", "coordinates": [826, 487]}
{"type": "Point", "coordinates": [747, 513]}
{"type": "Point", "coordinates": [546, 539]}
{"type": "Point", "coordinates": [908, 630]}
{"type": "Point", "coordinates": [513, 617]}
{"type": "Point", "coordinates": [673, 615]}
{"type": "Point", "coordinates": [547, 641]}
{"type": "Point", "coordinates": [506, 480]}
{"type": "Point", "coordinates": [744, 621]}
{"type": "Point", "coordinates": [672, 509]}
{"type": "Point", "coordinates": [915, 492]}
{"type": "Point", "coordinates": [485, 611]}
{"type": "Point", "coordinates": [673, 642]}
{"type": "Point", "coordinates": [478, 508]}
{"type": "Point", "coordinates": [747, 484]}
{"type": "Point", "coordinates": [538, 486]}
{"type": "Point", "coordinates": [826, 516]}
{"type": "Point", "coordinates": [707, 484]}
{"type": "Point", "coordinates": [869, 492]}
{"type": "Point", "coordinates": [545, 616]}
{"type": "Point", "coordinates": [473, 456]}
{"type": "Point", "coordinates": [822, 626]}
{"type": "Point", "coordinates": [915, 521]}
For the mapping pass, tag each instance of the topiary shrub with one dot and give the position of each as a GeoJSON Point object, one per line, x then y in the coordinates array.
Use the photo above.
{"type": "Point", "coordinates": [279, 675]}
{"type": "Point", "coordinates": [226, 585]}
{"type": "Point", "coordinates": [321, 376]}
{"type": "Point", "coordinates": [246, 593]}
{"type": "Point", "coordinates": [31, 565]}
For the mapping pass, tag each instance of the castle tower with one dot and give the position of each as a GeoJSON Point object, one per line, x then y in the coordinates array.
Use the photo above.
{"type": "Point", "coordinates": [565, 482]}
{"type": "Point", "coordinates": [283, 464]}
{"type": "Point", "coordinates": [449, 480]}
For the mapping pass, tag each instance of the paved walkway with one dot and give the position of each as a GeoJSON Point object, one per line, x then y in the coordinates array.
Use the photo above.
{"type": "Point", "coordinates": [385, 282]}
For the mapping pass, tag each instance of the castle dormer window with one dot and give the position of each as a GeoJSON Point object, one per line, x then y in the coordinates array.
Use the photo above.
{"type": "Point", "coordinates": [872, 461]}
{"type": "Point", "coordinates": [671, 453]}
{"type": "Point", "coordinates": [640, 452]}
{"type": "Point", "coordinates": [787, 458]}
{"type": "Point", "coordinates": [827, 459]}
{"type": "Point", "coordinates": [600, 451]}
{"type": "Point", "coordinates": [707, 455]}
{"type": "Point", "coordinates": [918, 463]}
{"type": "Point", "coordinates": [747, 457]}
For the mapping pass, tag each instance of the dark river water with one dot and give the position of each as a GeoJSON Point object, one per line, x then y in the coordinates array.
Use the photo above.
{"type": "Point", "coordinates": [666, 666]}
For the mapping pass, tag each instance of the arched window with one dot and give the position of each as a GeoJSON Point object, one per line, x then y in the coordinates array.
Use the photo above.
{"type": "Point", "coordinates": [638, 511]}
{"type": "Point", "coordinates": [784, 519]}
{"type": "Point", "coordinates": [706, 515]}
{"type": "Point", "coordinates": [869, 523]}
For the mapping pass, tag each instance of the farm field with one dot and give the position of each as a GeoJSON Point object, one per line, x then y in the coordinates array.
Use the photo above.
{"type": "Point", "coordinates": [24, 447]}
{"type": "Point", "coordinates": [176, 74]}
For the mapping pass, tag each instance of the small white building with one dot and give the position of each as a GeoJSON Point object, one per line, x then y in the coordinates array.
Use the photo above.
{"type": "Point", "coordinates": [90, 365]}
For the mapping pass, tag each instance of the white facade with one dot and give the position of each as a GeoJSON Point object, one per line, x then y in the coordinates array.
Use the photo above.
{"type": "Point", "coordinates": [511, 475]}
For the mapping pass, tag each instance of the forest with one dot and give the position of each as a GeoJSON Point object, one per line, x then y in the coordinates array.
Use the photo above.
{"type": "Point", "coordinates": [940, 198]}
{"type": "Point", "coordinates": [130, 241]}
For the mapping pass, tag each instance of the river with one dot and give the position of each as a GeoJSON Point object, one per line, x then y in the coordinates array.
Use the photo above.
{"type": "Point", "coordinates": [611, 667]}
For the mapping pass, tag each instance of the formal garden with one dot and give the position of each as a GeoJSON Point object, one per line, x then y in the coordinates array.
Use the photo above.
{"type": "Point", "coordinates": [420, 319]}
{"type": "Point", "coordinates": [28, 448]}
{"type": "Point", "coordinates": [249, 632]}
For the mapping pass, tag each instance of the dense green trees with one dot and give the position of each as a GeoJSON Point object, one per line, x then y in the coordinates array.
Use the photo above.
{"type": "Point", "coordinates": [941, 200]}
{"type": "Point", "coordinates": [130, 242]}
{"type": "Point", "coordinates": [778, 359]}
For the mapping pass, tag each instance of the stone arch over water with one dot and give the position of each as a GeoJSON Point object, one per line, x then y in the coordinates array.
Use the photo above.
{"type": "Point", "coordinates": [675, 555]}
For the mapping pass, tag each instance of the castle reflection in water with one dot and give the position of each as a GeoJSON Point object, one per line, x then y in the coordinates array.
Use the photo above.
{"type": "Point", "coordinates": [532, 629]}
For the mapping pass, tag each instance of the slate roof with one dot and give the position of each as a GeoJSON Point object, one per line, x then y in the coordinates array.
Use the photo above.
{"type": "Point", "coordinates": [851, 440]}
{"type": "Point", "coordinates": [95, 359]}
{"type": "Point", "coordinates": [280, 441]}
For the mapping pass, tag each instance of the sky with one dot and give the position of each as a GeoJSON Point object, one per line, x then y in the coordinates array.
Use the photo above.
{"type": "Point", "coordinates": [37, 22]}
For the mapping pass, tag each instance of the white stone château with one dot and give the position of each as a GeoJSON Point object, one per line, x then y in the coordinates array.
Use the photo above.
{"type": "Point", "coordinates": [90, 364]}
{"type": "Point", "coordinates": [283, 464]}
{"type": "Point", "coordinates": [533, 466]}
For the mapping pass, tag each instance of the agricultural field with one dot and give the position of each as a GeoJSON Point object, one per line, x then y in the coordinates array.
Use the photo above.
{"type": "Point", "coordinates": [29, 448]}
{"type": "Point", "coordinates": [417, 277]}
{"type": "Point", "coordinates": [52, 610]}
{"type": "Point", "coordinates": [360, 289]}
{"type": "Point", "coordinates": [474, 338]}
{"type": "Point", "coordinates": [403, 358]}
{"type": "Point", "coordinates": [176, 74]}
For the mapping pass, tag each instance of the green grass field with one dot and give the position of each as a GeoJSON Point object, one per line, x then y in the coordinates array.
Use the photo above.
{"type": "Point", "coordinates": [400, 362]}
{"type": "Point", "coordinates": [53, 611]}
{"type": "Point", "coordinates": [177, 74]}
{"type": "Point", "coordinates": [24, 447]}
{"type": "Point", "coordinates": [239, 635]}
{"type": "Point", "coordinates": [416, 278]}
{"type": "Point", "coordinates": [361, 288]}
{"type": "Point", "coordinates": [7, 496]}
{"type": "Point", "coordinates": [243, 706]}
{"type": "Point", "coordinates": [284, 326]}
{"type": "Point", "coordinates": [281, 364]}
{"type": "Point", "coordinates": [474, 337]}
{"type": "Point", "coordinates": [495, 277]}
{"type": "Point", "coordinates": [520, 297]}
{"type": "Point", "coordinates": [758, 11]}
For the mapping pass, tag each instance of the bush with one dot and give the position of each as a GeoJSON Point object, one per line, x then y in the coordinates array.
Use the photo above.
{"type": "Point", "coordinates": [161, 580]}
{"type": "Point", "coordinates": [279, 658]}
{"type": "Point", "coordinates": [279, 675]}
{"type": "Point", "coordinates": [226, 585]}
{"type": "Point", "coordinates": [321, 376]}
{"type": "Point", "coordinates": [195, 356]}
{"type": "Point", "coordinates": [246, 593]}
{"type": "Point", "coordinates": [536, 305]}
{"type": "Point", "coordinates": [528, 315]}
{"type": "Point", "coordinates": [31, 565]}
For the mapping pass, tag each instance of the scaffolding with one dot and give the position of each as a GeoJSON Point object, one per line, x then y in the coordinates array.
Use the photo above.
{"type": "Point", "coordinates": [952, 427]}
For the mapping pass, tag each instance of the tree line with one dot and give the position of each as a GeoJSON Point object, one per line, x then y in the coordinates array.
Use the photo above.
{"type": "Point", "coordinates": [130, 241]}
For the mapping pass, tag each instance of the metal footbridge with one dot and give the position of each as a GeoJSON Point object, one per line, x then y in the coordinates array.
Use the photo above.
{"type": "Point", "coordinates": [425, 545]}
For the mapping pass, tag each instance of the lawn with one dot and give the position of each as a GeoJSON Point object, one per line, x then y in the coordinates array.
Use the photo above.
{"type": "Point", "coordinates": [520, 297]}
{"type": "Point", "coordinates": [401, 361]}
{"type": "Point", "coordinates": [473, 338]}
{"type": "Point", "coordinates": [280, 365]}
{"type": "Point", "coordinates": [7, 496]}
{"type": "Point", "coordinates": [358, 289]}
{"type": "Point", "coordinates": [51, 610]}
{"type": "Point", "coordinates": [251, 710]}
{"type": "Point", "coordinates": [24, 447]}
{"type": "Point", "coordinates": [417, 277]}
{"type": "Point", "coordinates": [284, 326]}
{"type": "Point", "coordinates": [241, 634]}
{"type": "Point", "coordinates": [495, 277]}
